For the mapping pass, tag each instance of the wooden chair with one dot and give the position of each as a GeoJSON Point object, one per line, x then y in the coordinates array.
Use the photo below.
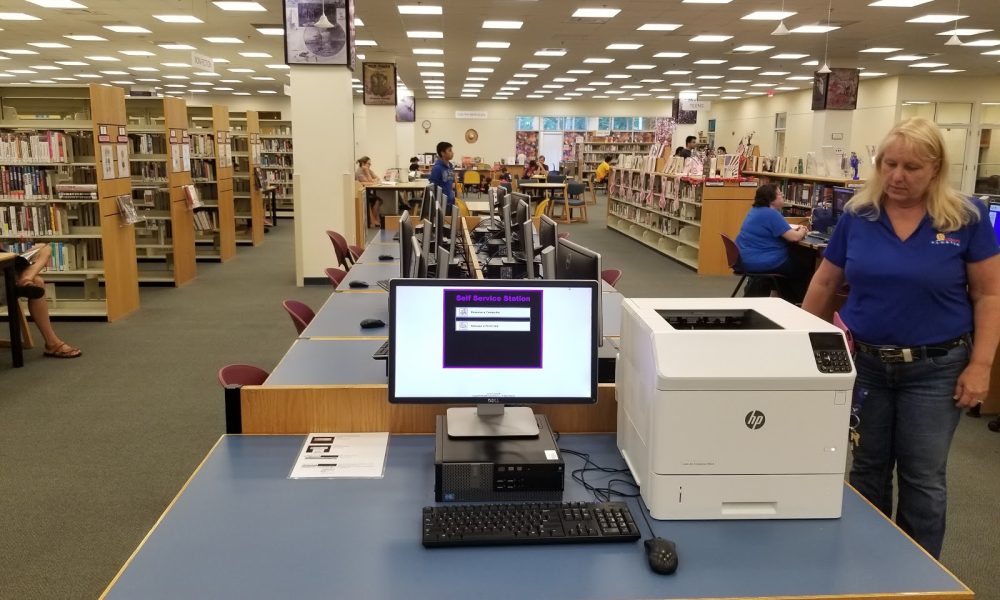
{"type": "Point", "coordinates": [335, 275]}
{"type": "Point", "coordinates": [300, 313]}
{"type": "Point", "coordinates": [572, 199]}
{"type": "Point", "coordinates": [471, 178]}
{"type": "Point", "coordinates": [733, 258]}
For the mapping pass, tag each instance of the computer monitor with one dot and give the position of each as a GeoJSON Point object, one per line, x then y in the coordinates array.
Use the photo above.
{"type": "Point", "coordinates": [841, 196]}
{"type": "Point", "coordinates": [548, 232]}
{"type": "Point", "coordinates": [490, 344]}
{"type": "Point", "coordinates": [573, 261]}
{"type": "Point", "coordinates": [427, 201]}
{"type": "Point", "coordinates": [456, 218]}
{"type": "Point", "coordinates": [514, 197]}
{"type": "Point", "coordinates": [405, 245]}
{"type": "Point", "coordinates": [521, 211]}
{"type": "Point", "coordinates": [995, 218]}
{"type": "Point", "coordinates": [443, 262]}
{"type": "Point", "coordinates": [415, 259]}
{"type": "Point", "coordinates": [549, 262]}
{"type": "Point", "coordinates": [439, 224]}
{"type": "Point", "coordinates": [426, 247]}
{"type": "Point", "coordinates": [528, 246]}
{"type": "Point", "coordinates": [508, 238]}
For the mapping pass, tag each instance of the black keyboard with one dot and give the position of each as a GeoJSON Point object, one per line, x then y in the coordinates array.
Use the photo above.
{"type": "Point", "coordinates": [533, 523]}
{"type": "Point", "coordinates": [815, 236]}
{"type": "Point", "coordinates": [383, 352]}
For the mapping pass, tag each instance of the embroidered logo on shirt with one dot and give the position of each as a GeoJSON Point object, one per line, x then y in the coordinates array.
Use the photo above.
{"type": "Point", "coordinates": [943, 240]}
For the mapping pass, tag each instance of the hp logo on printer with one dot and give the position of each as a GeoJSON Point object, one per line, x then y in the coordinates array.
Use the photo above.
{"type": "Point", "coordinates": [754, 419]}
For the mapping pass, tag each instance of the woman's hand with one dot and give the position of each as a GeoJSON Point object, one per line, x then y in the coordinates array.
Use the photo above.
{"type": "Point", "coordinates": [972, 385]}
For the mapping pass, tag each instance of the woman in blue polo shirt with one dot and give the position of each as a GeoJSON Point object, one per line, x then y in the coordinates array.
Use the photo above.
{"type": "Point", "coordinates": [763, 242]}
{"type": "Point", "coordinates": [924, 308]}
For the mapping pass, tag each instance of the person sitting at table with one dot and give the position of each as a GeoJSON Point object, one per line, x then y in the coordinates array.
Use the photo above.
{"type": "Point", "coordinates": [504, 176]}
{"type": "Point", "coordinates": [720, 150]}
{"type": "Point", "coordinates": [542, 166]}
{"type": "Point", "coordinates": [364, 174]}
{"type": "Point", "coordinates": [603, 170]}
{"type": "Point", "coordinates": [763, 242]}
{"type": "Point", "coordinates": [531, 169]}
{"type": "Point", "coordinates": [30, 285]}
{"type": "Point", "coordinates": [414, 169]}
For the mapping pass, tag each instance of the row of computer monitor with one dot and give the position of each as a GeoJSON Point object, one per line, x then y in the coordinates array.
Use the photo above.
{"type": "Point", "coordinates": [434, 251]}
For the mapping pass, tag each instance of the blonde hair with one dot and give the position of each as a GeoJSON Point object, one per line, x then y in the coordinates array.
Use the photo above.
{"type": "Point", "coordinates": [947, 208]}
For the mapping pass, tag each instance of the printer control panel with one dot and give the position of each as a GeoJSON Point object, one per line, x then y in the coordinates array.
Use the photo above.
{"type": "Point", "coordinates": [830, 352]}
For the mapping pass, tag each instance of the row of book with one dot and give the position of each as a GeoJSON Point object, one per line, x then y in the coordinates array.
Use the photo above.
{"type": "Point", "coordinates": [150, 171]}
{"type": "Point", "coordinates": [34, 220]}
{"type": "Point", "coordinates": [147, 143]}
{"type": "Point", "coordinates": [277, 145]}
{"type": "Point", "coordinates": [64, 254]}
{"type": "Point", "coordinates": [275, 160]}
{"type": "Point", "coordinates": [26, 183]}
{"type": "Point", "coordinates": [46, 147]}
{"type": "Point", "coordinates": [203, 170]}
{"type": "Point", "coordinates": [203, 145]}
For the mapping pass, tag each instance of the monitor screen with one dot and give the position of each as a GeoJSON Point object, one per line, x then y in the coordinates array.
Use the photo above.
{"type": "Point", "coordinates": [493, 342]}
{"type": "Point", "coordinates": [841, 195]}
{"type": "Point", "coordinates": [994, 220]}
{"type": "Point", "coordinates": [528, 246]}
{"type": "Point", "coordinates": [405, 235]}
{"type": "Point", "coordinates": [548, 232]}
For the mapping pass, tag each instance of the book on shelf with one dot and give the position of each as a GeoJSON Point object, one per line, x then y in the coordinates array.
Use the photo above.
{"type": "Point", "coordinates": [126, 209]}
{"type": "Point", "coordinates": [34, 220]}
{"type": "Point", "coordinates": [148, 143]}
{"type": "Point", "coordinates": [45, 147]}
{"type": "Point", "coordinates": [203, 145]}
{"type": "Point", "coordinates": [25, 182]}
{"type": "Point", "coordinates": [64, 255]}
{"type": "Point", "coordinates": [76, 191]}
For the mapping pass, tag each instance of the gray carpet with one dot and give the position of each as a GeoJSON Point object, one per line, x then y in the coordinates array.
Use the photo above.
{"type": "Point", "coordinates": [92, 450]}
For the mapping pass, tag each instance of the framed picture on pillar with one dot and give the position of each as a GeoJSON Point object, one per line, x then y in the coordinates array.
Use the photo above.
{"type": "Point", "coordinates": [820, 81]}
{"type": "Point", "coordinates": [317, 32]}
{"type": "Point", "coordinates": [380, 83]}
{"type": "Point", "coordinates": [406, 108]}
{"type": "Point", "coordinates": [842, 89]}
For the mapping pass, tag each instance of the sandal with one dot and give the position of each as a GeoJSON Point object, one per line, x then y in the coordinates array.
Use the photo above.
{"type": "Point", "coordinates": [29, 291]}
{"type": "Point", "coordinates": [63, 350]}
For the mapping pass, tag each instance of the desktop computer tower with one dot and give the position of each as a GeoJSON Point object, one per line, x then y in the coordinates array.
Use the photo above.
{"type": "Point", "coordinates": [497, 469]}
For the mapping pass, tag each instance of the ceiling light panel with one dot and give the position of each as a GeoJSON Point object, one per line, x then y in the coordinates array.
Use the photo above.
{"type": "Point", "coordinates": [425, 35]}
{"type": "Point", "coordinates": [178, 18]}
{"type": "Point", "coordinates": [752, 48]}
{"type": "Point", "coordinates": [502, 24]}
{"type": "Point", "coordinates": [136, 53]}
{"type": "Point", "coordinates": [711, 38]}
{"type": "Point", "coordinates": [428, 51]}
{"type": "Point", "coordinates": [127, 29]}
{"type": "Point", "coordinates": [623, 46]}
{"type": "Point", "coordinates": [789, 56]}
{"type": "Point", "coordinates": [599, 61]}
{"type": "Point", "coordinates": [768, 15]}
{"type": "Point", "coordinates": [551, 52]}
{"type": "Point", "coordinates": [271, 30]}
{"type": "Point", "coordinates": [12, 16]}
{"type": "Point", "coordinates": [86, 38]}
{"type": "Point", "coordinates": [67, 4]}
{"type": "Point", "coordinates": [241, 6]}
{"type": "Point", "coordinates": [501, 45]}
{"type": "Point", "coordinates": [595, 13]}
{"type": "Point", "coordinates": [659, 27]}
{"type": "Point", "coordinates": [898, 3]}
{"type": "Point", "coordinates": [814, 28]}
{"type": "Point", "coordinates": [670, 54]}
{"type": "Point", "coordinates": [937, 19]}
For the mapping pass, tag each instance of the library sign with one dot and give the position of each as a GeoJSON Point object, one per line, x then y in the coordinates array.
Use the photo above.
{"type": "Point", "coordinates": [471, 114]}
{"type": "Point", "coordinates": [696, 105]}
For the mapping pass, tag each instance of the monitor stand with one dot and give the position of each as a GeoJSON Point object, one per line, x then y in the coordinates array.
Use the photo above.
{"type": "Point", "coordinates": [492, 420]}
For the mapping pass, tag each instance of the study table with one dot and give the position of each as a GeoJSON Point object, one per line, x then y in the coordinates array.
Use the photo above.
{"type": "Point", "coordinates": [239, 528]}
{"type": "Point", "coordinates": [7, 263]}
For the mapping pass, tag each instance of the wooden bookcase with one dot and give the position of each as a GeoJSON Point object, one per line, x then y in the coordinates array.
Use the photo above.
{"type": "Point", "coordinates": [248, 197]}
{"type": "Point", "coordinates": [93, 273]}
{"type": "Point", "coordinates": [802, 191]}
{"type": "Point", "coordinates": [211, 149]}
{"type": "Point", "coordinates": [680, 217]}
{"type": "Point", "coordinates": [158, 130]}
{"type": "Point", "coordinates": [276, 159]}
{"type": "Point", "coordinates": [592, 150]}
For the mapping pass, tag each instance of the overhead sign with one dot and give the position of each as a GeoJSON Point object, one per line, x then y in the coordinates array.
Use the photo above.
{"type": "Point", "coordinates": [696, 105]}
{"type": "Point", "coordinates": [471, 114]}
{"type": "Point", "coordinates": [202, 62]}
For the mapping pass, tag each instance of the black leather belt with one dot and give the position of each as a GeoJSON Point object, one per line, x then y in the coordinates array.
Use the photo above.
{"type": "Point", "coordinates": [895, 354]}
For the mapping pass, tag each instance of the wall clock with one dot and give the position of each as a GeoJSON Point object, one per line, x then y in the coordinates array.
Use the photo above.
{"type": "Point", "coordinates": [426, 125]}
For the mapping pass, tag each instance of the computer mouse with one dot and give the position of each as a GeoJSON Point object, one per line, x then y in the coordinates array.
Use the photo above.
{"type": "Point", "coordinates": [662, 555]}
{"type": "Point", "coordinates": [358, 284]}
{"type": "Point", "coordinates": [386, 257]}
{"type": "Point", "coordinates": [372, 323]}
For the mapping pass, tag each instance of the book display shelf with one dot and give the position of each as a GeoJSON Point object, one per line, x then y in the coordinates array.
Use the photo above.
{"type": "Point", "coordinates": [161, 167]}
{"type": "Point", "coordinates": [64, 163]}
{"type": "Point", "coordinates": [276, 161]}
{"type": "Point", "coordinates": [802, 192]}
{"type": "Point", "coordinates": [212, 176]}
{"type": "Point", "coordinates": [248, 196]}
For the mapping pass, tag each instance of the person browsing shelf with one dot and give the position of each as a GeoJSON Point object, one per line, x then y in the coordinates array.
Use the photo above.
{"type": "Point", "coordinates": [603, 170]}
{"type": "Point", "coordinates": [442, 174]}
{"type": "Point", "coordinates": [687, 148]}
{"type": "Point", "coordinates": [924, 311]}
{"type": "Point", "coordinates": [31, 286]}
{"type": "Point", "coordinates": [763, 242]}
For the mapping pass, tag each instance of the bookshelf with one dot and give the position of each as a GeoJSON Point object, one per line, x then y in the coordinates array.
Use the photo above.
{"type": "Point", "coordinates": [212, 171]}
{"type": "Point", "coordinates": [248, 198]}
{"type": "Point", "coordinates": [803, 191]}
{"type": "Point", "coordinates": [60, 187]}
{"type": "Point", "coordinates": [679, 216]}
{"type": "Point", "coordinates": [276, 159]}
{"type": "Point", "coordinates": [591, 151]}
{"type": "Point", "coordinates": [159, 137]}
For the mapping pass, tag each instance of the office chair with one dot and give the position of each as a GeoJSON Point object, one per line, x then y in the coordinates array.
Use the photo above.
{"type": "Point", "coordinates": [300, 313]}
{"type": "Point", "coordinates": [733, 258]}
{"type": "Point", "coordinates": [564, 235]}
{"type": "Point", "coordinates": [335, 275]}
{"type": "Point", "coordinates": [346, 255]}
{"type": "Point", "coordinates": [611, 276]}
{"type": "Point", "coordinates": [232, 378]}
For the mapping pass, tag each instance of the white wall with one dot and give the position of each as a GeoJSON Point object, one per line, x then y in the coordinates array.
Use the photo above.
{"type": "Point", "coordinates": [264, 102]}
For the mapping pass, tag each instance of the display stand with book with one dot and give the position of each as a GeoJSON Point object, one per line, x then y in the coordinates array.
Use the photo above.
{"type": "Point", "coordinates": [64, 162]}
{"type": "Point", "coordinates": [162, 164]}
{"type": "Point", "coordinates": [212, 174]}
{"type": "Point", "coordinates": [247, 194]}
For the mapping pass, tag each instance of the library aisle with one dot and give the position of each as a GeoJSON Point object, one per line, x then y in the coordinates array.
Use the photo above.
{"type": "Point", "coordinates": [92, 450]}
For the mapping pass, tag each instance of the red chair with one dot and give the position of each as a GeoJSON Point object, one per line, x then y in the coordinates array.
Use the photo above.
{"type": "Point", "coordinates": [336, 275]}
{"type": "Point", "coordinates": [733, 258]}
{"type": "Point", "coordinates": [346, 255]}
{"type": "Point", "coordinates": [232, 378]}
{"type": "Point", "coordinates": [563, 235]}
{"type": "Point", "coordinates": [611, 276]}
{"type": "Point", "coordinates": [300, 313]}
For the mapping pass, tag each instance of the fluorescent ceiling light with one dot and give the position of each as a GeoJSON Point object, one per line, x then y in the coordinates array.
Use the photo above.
{"type": "Point", "coordinates": [711, 38]}
{"type": "Point", "coordinates": [144, 69]}
{"type": "Point", "coordinates": [72, 63]}
{"type": "Point", "coordinates": [266, 92]}
{"type": "Point", "coordinates": [502, 24]}
{"type": "Point", "coordinates": [241, 93]}
{"type": "Point", "coordinates": [650, 81]}
{"type": "Point", "coordinates": [241, 6]}
{"type": "Point", "coordinates": [768, 15]}
{"type": "Point", "coordinates": [127, 29]}
{"type": "Point", "coordinates": [432, 73]}
{"type": "Point", "coordinates": [595, 13]}
{"type": "Point", "coordinates": [586, 89]}
{"type": "Point", "coordinates": [906, 57]}
{"type": "Point", "coordinates": [534, 96]}
{"type": "Point", "coordinates": [937, 19]}
{"type": "Point", "coordinates": [948, 71]}
{"type": "Point", "coordinates": [22, 71]}
{"type": "Point", "coordinates": [898, 3]}
{"type": "Point", "coordinates": [928, 65]}
{"type": "Point", "coordinates": [86, 38]}
{"type": "Point", "coordinates": [772, 73]}
{"type": "Point", "coordinates": [789, 56]}
{"type": "Point", "coordinates": [579, 71]}
{"type": "Point", "coordinates": [677, 72]}
{"type": "Point", "coordinates": [564, 79]}
{"type": "Point", "coordinates": [983, 43]}
{"type": "Point", "coordinates": [814, 28]}
{"type": "Point", "coordinates": [599, 61]}
{"type": "Point", "coordinates": [631, 87]}
{"type": "Point", "coordinates": [709, 77]}
{"type": "Point", "coordinates": [179, 65]}
{"type": "Point", "coordinates": [553, 86]}
{"type": "Point", "coordinates": [524, 75]}
{"type": "Point", "coordinates": [811, 63]}
{"type": "Point", "coordinates": [710, 61]}
{"type": "Point", "coordinates": [176, 46]}
{"type": "Point", "coordinates": [435, 51]}
{"type": "Point", "coordinates": [233, 40]}
{"type": "Point", "coordinates": [419, 9]}
{"type": "Point", "coordinates": [102, 58]}
{"type": "Point", "coordinates": [240, 70]}
{"type": "Point", "coordinates": [991, 53]}
{"type": "Point", "coordinates": [46, 68]}
{"type": "Point", "coordinates": [551, 52]}
{"type": "Point", "coordinates": [744, 80]}
{"type": "Point", "coordinates": [136, 53]}
{"type": "Point", "coordinates": [115, 72]}
{"type": "Point", "coordinates": [743, 68]}
{"type": "Point", "coordinates": [8, 16]}
{"type": "Point", "coordinates": [538, 66]}
{"type": "Point", "coordinates": [640, 67]}
{"type": "Point", "coordinates": [621, 46]}
{"type": "Point", "coordinates": [255, 55]}
{"type": "Point", "coordinates": [617, 76]}
{"type": "Point", "coordinates": [799, 78]}
{"type": "Point", "coordinates": [767, 85]}
{"type": "Point", "coordinates": [751, 48]}
{"type": "Point", "coordinates": [270, 31]}
{"type": "Point", "coordinates": [425, 35]}
{"type": "Point", "coordinates": [659, 27]}
{"type": "Point", "coordinates": [169, 76]}
{"type": "Point", "coordinates": [57, 3]}
{"type": "Point", "coordinates": [18, 51]}
{"type": "Point", "coordinates": [670, 54]}
{"type": "Point", "coordinates": [480, 69]}
{"type": "Point", "coordinates": [47, 45]}
{"type": "Point", "coordinates": [486, 59]}
{"type": "Point", "coordinates": [178, 18]}
{"type": "Point", "coordinates": [427, 64]}
{"type": "Point", "coordinates": [881, 50]}
{"type": "Point", "coordinates": [964, 31]}
{"type": "Point", "coordinates": [492, 44]}
{"type": "Point", "coordinates": [262, 78]}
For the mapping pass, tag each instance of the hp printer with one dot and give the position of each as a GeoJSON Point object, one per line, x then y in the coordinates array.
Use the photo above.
{"type": "Point", "coordinates": [733, 408]}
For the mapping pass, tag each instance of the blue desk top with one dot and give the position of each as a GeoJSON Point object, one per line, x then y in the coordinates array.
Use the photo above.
{"type": "Point", "coordinates": [341, 315]}
{"type": "Point", "coordinates": [330, 362]}
{"type": "Point", "coordinates": [373, 251]}
{"type": "Point", "coordinates": [370, 273]}
{"type": "Point", "coordinates": [242, 529]}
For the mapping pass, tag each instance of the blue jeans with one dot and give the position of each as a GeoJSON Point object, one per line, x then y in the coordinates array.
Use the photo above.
{"type": "Point", "coordinates": [907, 422]}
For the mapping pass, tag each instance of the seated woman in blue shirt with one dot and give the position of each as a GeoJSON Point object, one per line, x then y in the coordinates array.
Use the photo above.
{"type": "Point", "coordinates": [763, 243]}
{"type": "Point", "coordinates": [923, 266]}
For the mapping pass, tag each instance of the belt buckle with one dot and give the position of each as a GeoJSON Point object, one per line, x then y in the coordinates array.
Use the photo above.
{"type": "Point", "coordinates": [895, 355]}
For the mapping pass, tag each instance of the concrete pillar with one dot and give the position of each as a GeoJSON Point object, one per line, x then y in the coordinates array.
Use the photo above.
{"type": "Point", "coordinates": [831, 139]}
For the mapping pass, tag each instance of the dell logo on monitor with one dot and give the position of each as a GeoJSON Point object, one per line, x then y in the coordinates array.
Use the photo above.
{"type": "Point", "coordinates": [754, 419]}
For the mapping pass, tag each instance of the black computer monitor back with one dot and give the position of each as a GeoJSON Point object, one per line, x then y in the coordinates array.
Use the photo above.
{"type": "Point", "coordinates": [405, 235]}
{"type": "Point", "coordinates": [576, 262]}
{"type": "Point", "coordinates": [548, 232]}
